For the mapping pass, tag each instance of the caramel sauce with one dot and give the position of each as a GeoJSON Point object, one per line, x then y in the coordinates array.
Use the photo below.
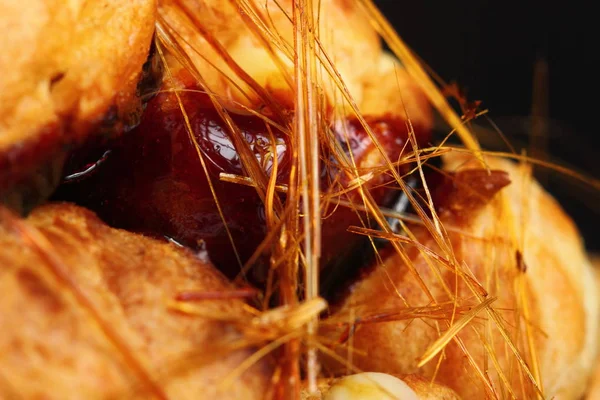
{"type": "Point", "coordinates": [152, 181]}
{"type": "Point", "coordinates": [461, 194]}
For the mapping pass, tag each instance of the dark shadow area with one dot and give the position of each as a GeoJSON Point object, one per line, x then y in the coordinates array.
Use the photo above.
{"type": "Point", "coordinates": [490, 48]}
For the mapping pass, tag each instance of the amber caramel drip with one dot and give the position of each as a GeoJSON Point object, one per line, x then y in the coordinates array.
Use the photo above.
{"type": "Point", "coordinates": [461, 194]}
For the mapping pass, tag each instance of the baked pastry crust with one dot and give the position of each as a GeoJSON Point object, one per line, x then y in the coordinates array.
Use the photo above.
{"type": "Point", "coordinates": [347, 39]}
{"type": "Point", "coordinates": [67, 67]}
{"type": "Point", "coordinates": [521, 248]}
{"type": "Point", "coordinates": [51, 347]}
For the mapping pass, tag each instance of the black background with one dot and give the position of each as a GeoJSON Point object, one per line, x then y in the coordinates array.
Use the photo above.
{"type": "Point", "coordinates": [490, 48]}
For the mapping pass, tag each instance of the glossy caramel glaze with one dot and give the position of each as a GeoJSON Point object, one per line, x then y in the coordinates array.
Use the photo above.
{"type": "Point", "coordinates": [152, 181]}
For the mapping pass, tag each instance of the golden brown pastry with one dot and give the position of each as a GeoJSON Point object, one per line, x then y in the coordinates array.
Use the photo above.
{"type": "Point", "coordinates": [426, 390]}
{"type": "Point", "coordinates": [517, 248]}
{"type": "Point", "coordinates": [593, 391]}
{"type": "Point", "coordinates": [67, 68]}
{"type": "Point", "coordinates": [348, 40]}
{"type": "Point", "coordinates": [137, 346]}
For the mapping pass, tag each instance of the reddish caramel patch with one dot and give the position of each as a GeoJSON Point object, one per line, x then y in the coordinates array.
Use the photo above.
{"type": "Point", "coordinates": [153, 181]}
{"type": "Point", "coordinates": [391, 133]}
{"type": "Point", "coordinates": [461, 194]}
